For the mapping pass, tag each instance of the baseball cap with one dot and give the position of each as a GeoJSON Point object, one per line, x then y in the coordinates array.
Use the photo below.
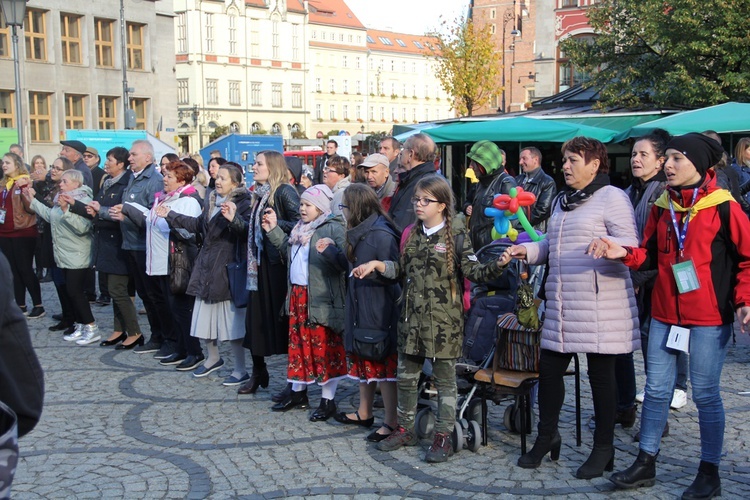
{"type": "Point", "coordinates": [375, 160]}
{"type": "Point", "coordinates": [92, 151]}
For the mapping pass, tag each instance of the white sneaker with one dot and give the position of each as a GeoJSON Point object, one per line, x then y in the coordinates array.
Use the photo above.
{"type": "Point", "coordinates": [90, 335]}
{"type": "Point", "coordinates": [679, 399]}
{"type": "Point", "coordinates": [77, 333]}
{"type": "Point", "coordinates": [639, 397]}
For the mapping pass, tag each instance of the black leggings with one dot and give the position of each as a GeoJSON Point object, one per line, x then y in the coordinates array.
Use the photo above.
{"type": "Point", "coordinates": [74, 285]}
{"type": "Point", "coordinates": [20, 255]}
{"type": "Point", "coordinates": [601, 371]}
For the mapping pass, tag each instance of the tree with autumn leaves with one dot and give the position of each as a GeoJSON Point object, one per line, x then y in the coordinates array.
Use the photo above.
{"type": "Point", "coordinates": [688, 53]}
{"type": "Point", "coordinates": [468, 63]}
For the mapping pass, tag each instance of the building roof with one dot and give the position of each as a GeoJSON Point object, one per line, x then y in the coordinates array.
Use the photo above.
{"type": "Point", "coordinates": [404, 43]}
{"type": "Point", "coordinates": [292, 5]}
{"type": "Point", "coordinates": [333, 13]}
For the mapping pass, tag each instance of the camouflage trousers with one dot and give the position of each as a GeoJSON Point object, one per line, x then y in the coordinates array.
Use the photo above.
{"type": "Point", "coordinates": [8, 449]}
{"type": "Point", "coordinates": [444, 379]}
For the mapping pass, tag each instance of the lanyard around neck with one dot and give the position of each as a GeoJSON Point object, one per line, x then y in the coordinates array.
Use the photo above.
{"type": "Point", "coordinates": [681, 235]}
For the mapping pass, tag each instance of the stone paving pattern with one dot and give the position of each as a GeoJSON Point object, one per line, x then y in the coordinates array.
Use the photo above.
{"type": "Point", "coordinates": [116, 424]}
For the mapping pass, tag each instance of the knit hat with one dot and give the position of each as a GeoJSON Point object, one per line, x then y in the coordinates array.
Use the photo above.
{"type": "Point", "coordinates": [702, 151]}
{"type": "Point", "coordinates": [487, 154]}
{"type": "Point", "coordinates": [320, 196]}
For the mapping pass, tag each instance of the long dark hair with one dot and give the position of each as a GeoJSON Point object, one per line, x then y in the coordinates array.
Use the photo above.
{"type": "Point", "coordinates": [362, 202]}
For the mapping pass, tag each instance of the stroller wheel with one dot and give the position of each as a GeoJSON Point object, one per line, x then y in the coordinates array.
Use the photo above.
{"type": "Point", "coordinates": [459, 437]}
{"type": "Point", "coordinates": [517, 420]}
{"type": "Point", "coordinates": [424, 423]}
{"type": "Point", "coordinates": [474, 439]}
{"type": "Point", "coordinates": [475, 411]}
{"type": "Point", "coordinates": [509, 420]}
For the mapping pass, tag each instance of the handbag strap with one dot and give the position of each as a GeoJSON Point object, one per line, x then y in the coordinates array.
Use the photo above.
{"type": "Point", "coordinates": [237, 250]}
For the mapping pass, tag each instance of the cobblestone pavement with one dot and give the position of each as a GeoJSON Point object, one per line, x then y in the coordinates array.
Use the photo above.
{"type": "Point", "coordinates": [118, 425]}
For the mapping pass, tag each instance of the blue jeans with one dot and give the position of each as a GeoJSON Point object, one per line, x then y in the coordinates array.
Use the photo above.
{"type": "Point", "coordinates": [682, 358]}
{"type": "Point", "coordinates": [708, 349]}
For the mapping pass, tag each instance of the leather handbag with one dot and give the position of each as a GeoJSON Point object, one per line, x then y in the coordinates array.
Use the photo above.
{"type": "Point", "coordinates": [372, 345]}
{"type": "Point", "coordinates": [180, 267]}
{"type": "Point", "coordinates": [237, 275]}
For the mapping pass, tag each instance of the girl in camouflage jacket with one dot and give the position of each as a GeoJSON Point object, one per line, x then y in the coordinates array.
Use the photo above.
{"type": "Point", "coordinates": [431, 325]}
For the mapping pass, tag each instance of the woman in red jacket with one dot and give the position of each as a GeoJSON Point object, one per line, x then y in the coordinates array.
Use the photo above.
{"type": "Point", "coordinates": [698, 239]}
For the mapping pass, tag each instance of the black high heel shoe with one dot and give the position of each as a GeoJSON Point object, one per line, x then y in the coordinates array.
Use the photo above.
{"type": "Point", "coordinates": [127, 347]}
{"type": "Point", "coordinates": [542, 446]}
{"type": "Point", "coordinates": [256, 380]}
{"type": "Point", "coordinates": [116, 340]}
{"type": "Point", "coordinates": [602, 458]}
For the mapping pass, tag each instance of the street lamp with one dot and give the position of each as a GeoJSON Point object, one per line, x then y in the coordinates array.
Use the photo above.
{"type": "Point", "coordinates": [289, 141]}
{"type": "Point", "coordinates": [508, 15]}
{"type": "Point", "coordinates": [14, 12]}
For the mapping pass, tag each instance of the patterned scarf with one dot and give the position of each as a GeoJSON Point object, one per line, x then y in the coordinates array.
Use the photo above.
{"type": "Point", "coordinates": [302, 232]}
{"type": "Point", "coordinates": [261, 193]}
{"type": "Point", "coordinates": [570, 198]}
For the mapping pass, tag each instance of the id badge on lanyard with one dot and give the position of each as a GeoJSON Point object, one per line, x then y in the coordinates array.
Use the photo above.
{"type": "Point", "coordinates": [684, 272]}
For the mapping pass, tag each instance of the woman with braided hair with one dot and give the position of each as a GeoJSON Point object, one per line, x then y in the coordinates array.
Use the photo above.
{"type": "Point", "coordinates": [431, 324]}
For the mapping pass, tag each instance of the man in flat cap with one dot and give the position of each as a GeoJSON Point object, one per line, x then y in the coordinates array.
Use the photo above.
{"type": "Point", "coordinates": [376, 169]}
{"type": "Point", "coordinates": [73, 151]}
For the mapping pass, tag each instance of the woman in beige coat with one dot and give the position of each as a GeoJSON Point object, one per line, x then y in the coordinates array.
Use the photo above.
{"type": "Point", "coordinates": [591, 306]}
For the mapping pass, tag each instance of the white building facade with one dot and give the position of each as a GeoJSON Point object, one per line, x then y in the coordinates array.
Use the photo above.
{"type": "Point", "coordinates": [297, 69]}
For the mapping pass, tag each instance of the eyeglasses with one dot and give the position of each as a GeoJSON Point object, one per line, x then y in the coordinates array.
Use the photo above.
{"type": "Point", "coordinates": [342, 206]}
{"type": "Point", "coordinates": [87, 155]}
{"type": "Point", "coordinates": [57, 169]}
{"type": "Point", "coordinates": [422, 202]}
{"type": "Point", "coordinates": [328, 170]}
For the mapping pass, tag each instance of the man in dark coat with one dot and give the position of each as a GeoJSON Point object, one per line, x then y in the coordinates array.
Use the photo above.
{"type": "Point", "coordinates": [331, 151]}
{"type": "Point", "coordinates": [534, 180]}
{"type": "Point", "coordinates": [417, 158]}
{"type": "Point", "coordinates": [488, 162]}
{"type": "Point", "coordinates": [21, 380]}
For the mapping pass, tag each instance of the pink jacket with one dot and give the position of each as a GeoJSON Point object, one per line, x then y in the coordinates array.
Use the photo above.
{"type": "Point", "coordinates": [591, 306]}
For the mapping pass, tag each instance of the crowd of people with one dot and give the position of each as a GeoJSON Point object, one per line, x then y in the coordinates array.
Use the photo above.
{"type": "Point", "coordinates": [354, 268]}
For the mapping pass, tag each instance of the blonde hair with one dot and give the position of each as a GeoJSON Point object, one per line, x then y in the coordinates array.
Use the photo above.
{"type": "Point", "coordinates": [198, 158]}
{"type": "Point", "coordinates": [277, 171]}
{"type": "Point", "coordinates": [739, 150]}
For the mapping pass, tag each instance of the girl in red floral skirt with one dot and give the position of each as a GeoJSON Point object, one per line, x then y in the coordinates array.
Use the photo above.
{"type": "Point", "coordinates": [315, 302]}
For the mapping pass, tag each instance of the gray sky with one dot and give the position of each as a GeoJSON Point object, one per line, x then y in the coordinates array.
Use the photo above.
{"type": "Point", "coordinates": [406, 16]}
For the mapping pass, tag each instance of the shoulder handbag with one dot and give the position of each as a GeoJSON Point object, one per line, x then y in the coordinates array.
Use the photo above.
{"type": "Point", "coordinates": [180, 268]}
{"type": "Point", "coordinates": [368, 343]}
{"type": "Point", "coordinates": [237, 275]}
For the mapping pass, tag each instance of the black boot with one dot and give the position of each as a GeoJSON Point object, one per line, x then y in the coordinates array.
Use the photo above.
{"type": "Point", "coordinates": [641, 473]}
{"type": "Point", "coordinates": [294, 400]}
{"type": "Point", "coordinates": [626, 418]}
{"type": "Point", "coordinates": [325, 411]}
{"type": "Point", "coordinates": [283, 394]}
{"type": "Point", "coordinates": [259, 378]}
{"type": "Point", "coordinates": [707, 483]}
{"type": "Point", "coordinates": [602, 458]}
{"type": "Point", "coordinates": [542, 446]}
